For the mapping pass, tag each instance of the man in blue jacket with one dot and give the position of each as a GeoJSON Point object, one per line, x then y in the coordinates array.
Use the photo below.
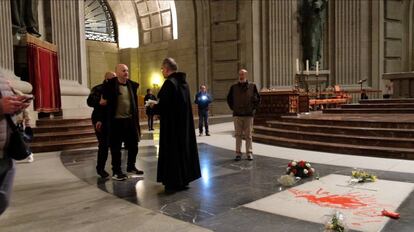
{"type": "Point", "coordinates": [203, 100]}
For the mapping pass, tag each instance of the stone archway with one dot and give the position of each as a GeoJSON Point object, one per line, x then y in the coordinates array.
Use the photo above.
{"type": "Point", "coordinates": [126, 22]}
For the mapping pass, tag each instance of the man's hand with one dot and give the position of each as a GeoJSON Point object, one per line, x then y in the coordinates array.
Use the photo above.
{"type": "Point", "coordinates": [102, 102]}
{"type": "Point", "coordinates": [25, 100]}
{"type": "Point", "coordinates": [98, 126]}
{"type": "Point", "coordinates": [12, 104]}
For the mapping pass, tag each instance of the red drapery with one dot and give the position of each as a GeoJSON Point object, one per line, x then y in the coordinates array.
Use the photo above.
{"type": "Point", "coordinates": [42, 63]}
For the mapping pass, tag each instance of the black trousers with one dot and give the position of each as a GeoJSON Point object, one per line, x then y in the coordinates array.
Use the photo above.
{"type": "Point", "coordinates": [150, 121]}
{"type": "Point", "coordinates": [102, 148]}
{"type": "Point", "coordinates": [123, 130]}
{"type": "Point", "coordinates": [202, 118]}
{"type": "Point", "coordinates": [24, 13]}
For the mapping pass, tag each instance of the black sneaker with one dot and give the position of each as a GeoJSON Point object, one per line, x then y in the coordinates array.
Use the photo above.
{"type": "Point", "coordinates": [103, 174]}
{"type": "Point", "coordinates": [207, 134]}
{"type": "Point", "coordinates": [238, 158]}
{"type": "Point", "coordinates": [135, 171]}
{"type": "Point", "coordinates": [119, 176]}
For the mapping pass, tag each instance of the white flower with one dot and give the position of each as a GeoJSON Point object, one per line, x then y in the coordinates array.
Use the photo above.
{"type": "Point", "coordinates": [313, 170]}
{"type": "Point", "coordinates": [305, 171]}
{"type": "Point", "coordinates": [288, 169]}
{"type": "Point", "coordinates": [293, 163]}
{"type": "Point", "coordinates": [308, 165]}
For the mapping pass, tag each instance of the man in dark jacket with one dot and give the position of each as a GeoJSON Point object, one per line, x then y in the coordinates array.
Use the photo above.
{"type": "Point", "coordinates": [120, 97]}
{"type": "Point", "coordinates": [178, 162]}
{"type": "Point", "coordinates": [203, 100]}
{"type": "Point", "coordinates": [100, 124]}
{"type": "Point", "coordinates": [243, 99]}
{"type": "Point", "coordinates": [148, 110]}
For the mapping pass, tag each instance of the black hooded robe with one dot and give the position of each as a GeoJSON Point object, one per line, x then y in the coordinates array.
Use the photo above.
{"type": "Point", "coordinates": [178, 162]}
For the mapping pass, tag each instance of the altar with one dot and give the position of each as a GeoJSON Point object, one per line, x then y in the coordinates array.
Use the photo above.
{"type": "Point", "coordinates": [278, 103]}
{"type": "Point", "coordinates": [312, 81]}
{"type": "Point", "coordinates": [403, 84]}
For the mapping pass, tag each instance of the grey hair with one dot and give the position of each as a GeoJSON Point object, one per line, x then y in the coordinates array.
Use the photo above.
{"type": "Point", "coordinates": [170, 63]}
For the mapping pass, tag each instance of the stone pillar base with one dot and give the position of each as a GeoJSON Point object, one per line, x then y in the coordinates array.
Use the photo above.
{"type": "Point", "coordinates": [74, 98]}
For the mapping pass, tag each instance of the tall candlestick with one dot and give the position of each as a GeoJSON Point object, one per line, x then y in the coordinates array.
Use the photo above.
{"type": "Point", "coordinates": [297, 66]}
{"type": "Point", "coordinates": [307, 67]}
{"type": "Point", "coordinates": [317, 68]}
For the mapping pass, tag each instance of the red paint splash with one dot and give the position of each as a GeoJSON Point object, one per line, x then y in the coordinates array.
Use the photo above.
{"type": "Point", "coordinates": [325, 199]}
{"type": "Point", "coordinates": [364, 207]}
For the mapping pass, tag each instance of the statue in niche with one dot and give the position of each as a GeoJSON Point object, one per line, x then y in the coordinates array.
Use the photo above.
{"type": "Point", "coordinates": [312, 20]}
{"type": "Point", "coordinates": [24, 17]}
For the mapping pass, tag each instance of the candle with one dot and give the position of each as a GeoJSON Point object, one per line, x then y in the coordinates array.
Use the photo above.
{"type": "Point", "coordinates": [307, 67]}
{"type": "Point", "coordinates": [317, 68]}
{"type": "Point", "coordinates": [297, 66]}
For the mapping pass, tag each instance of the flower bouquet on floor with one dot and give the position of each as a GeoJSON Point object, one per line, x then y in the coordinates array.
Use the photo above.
{"type": "Point", "coordinates": [361, 176]}
{"type": "Point", "coordinates": [300, 169]}
{"type": "Point", "coordinates": [336, 223]}
{"type": "Point", "coordinates": [287, 180]}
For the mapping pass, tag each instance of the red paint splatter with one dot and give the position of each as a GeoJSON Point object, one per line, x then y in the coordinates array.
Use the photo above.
{"type": "Point", "coordinates": [346, 201]}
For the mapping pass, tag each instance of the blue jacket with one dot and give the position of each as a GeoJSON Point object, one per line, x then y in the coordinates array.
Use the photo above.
{"type": "Point", "coordinates": [203, 100]}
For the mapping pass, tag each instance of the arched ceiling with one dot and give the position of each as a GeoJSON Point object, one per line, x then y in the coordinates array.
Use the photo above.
{"type": "Point", "coordinates": [144, 21]}
{"type": "Point", "coordinates": [126, 21]}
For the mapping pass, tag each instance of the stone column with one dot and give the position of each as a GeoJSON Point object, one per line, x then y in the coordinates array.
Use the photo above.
{"type": "Point", "coordinates": [6, 49]}
{"type": "Point", "coordinates": [68, 33]}
{"type": "Point", "coordinates": [6, 45]}
{"type": "Point", "coordinates": [352, 42]}
{"type": "Point", "coordinates": [280, 42]}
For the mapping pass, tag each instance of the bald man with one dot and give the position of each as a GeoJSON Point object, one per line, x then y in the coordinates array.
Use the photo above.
{"type": "Point", "coordinates": [243, 99]}
{"type": "Point", "coordinates": [99, 123]}
{"type": "Point", "coordinates": [120, 96]}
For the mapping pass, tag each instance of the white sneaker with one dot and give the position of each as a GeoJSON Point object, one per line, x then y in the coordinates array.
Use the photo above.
{"type": "Point", "coordinates": [250, 157]}
{"type": "Point", "coordinates": [30, 159]}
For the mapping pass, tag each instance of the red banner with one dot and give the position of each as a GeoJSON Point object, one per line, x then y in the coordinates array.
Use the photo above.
{"type": "Point", "coordinates": [43, 69]}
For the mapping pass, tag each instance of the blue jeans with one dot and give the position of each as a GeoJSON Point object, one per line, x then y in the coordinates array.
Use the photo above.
{"type": "Point", "coordinates": [6, 185]}
{"type": "Point", "coordinates": [202, 118]}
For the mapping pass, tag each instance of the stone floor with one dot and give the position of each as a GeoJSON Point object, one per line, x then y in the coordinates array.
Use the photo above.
{"type": "Point", "coordinates": [60, 191]}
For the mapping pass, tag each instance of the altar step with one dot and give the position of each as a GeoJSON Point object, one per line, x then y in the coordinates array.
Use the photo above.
{"type": "Point", "coordinates": [391, 100]}
{"type": "Point", "coordinates": [343, 130]}
{"type": "Point", "coordinates": [357, 140]}
{"type": "Point", "coordinates": [385, 152]}
{"type": "Point", "coordinates": [379, 105]}
{"type": "Point", "coordinates": [348, 135]}
{"type": "Point", "coordinates": [369, 111]}
{"type": "Point", "coordinates": [63, 134]}
{"type": "Point", "coordinates": [376, 106]}
{"type": "Point", "coordinates": [362, 122]}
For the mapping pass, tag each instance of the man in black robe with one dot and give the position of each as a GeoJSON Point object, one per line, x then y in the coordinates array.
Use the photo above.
{"type": "Point", "coordinates": [178, 162]}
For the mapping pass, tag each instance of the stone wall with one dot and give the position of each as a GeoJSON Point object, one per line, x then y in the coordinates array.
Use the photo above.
{"type": "Point", "coordinates": [394, 41]}
{"type": "Point", "coordinates": [101, 58]}
{"type": "Point", "coordinates": [146, 60]}
{"type": "Point", "coordinates": [224, 45]}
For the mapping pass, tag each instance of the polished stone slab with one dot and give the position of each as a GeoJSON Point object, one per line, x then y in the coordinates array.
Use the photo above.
{"type": "Point", "coordinates": [217, 200]}
{"type": "Point", "coordinates": [361, 204]}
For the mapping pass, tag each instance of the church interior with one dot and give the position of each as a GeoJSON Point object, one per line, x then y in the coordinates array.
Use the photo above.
{"type": "Point", "coordinates": [336, 81]}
